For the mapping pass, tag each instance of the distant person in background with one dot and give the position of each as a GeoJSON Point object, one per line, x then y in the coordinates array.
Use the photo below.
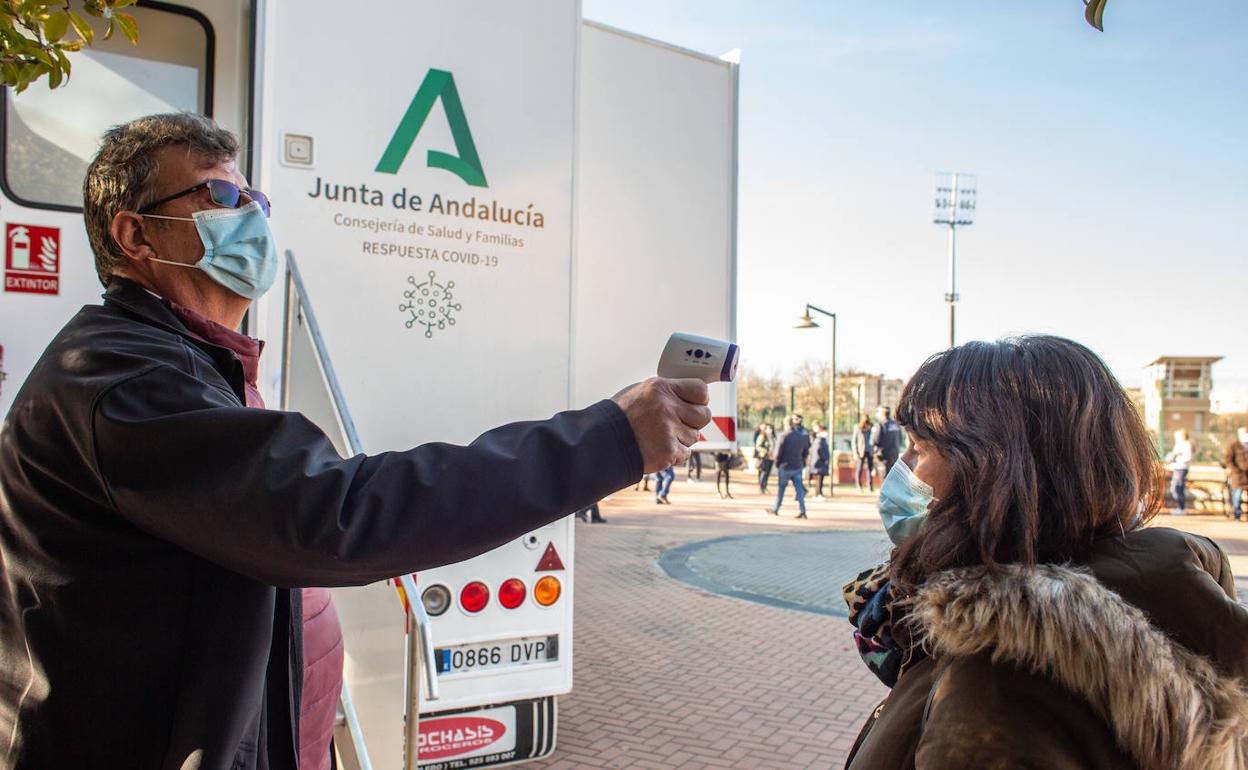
{"type": "Point", "coordinates": [723, 463]}
{"type": "Point", "coordinates": [663, 484]}
{"type": "Point", "coordinates": [1178, 462]}
{"type": "Point", "coordinates": [795, 422]}
{"type": "Point", "coordinates": [792, 449]}
{"type": "Point", "coordinates": [862, 454]}
{"type": "Point", "coordinates": [591, 515]}
{"type": "Point", "coordinates": [819, 459]}
{"type": "Point", "coordinates": [1235, 460]}
{"type": "Point", "coordinates": [764, 447]}
{"type": "Point", "coordinates": [693, 470]}
{"type": "Point", "coordinates": [886, 441]}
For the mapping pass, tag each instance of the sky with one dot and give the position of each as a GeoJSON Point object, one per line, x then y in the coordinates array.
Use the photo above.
{"type": "Point", "coordinates": [1112, 173]}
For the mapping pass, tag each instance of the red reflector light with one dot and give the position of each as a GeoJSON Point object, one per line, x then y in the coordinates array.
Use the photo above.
{"type": "Point", "coordinates": [474, 596]}
{"type": "Point", "coordinates": [511, 593]}
{"type": "Point", "coordinates": [550, 560]}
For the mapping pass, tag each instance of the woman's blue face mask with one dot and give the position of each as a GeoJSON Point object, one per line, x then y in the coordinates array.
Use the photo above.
{"type": "Point", "coordinates": [904, 499]}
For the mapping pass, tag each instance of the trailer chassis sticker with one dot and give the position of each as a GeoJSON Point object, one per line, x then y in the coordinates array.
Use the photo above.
{"type": "Point", "coordinates": [471, 738]}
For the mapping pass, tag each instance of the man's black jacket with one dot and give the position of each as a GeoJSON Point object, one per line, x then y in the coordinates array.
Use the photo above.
{"type": "Point", "coordinates": [791, 450]}
{"type": "Point", "coordinates": [146, 517]}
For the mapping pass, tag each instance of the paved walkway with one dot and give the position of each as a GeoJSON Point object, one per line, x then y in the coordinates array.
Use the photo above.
{"type": "Point", "coordinates": [797, 571]}
{"type": "Point", "coordinates": [671, 675]}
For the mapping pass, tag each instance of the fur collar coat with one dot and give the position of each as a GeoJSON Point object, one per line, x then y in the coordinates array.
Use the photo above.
{"type": "Point", "coordinates": [1136, 659]}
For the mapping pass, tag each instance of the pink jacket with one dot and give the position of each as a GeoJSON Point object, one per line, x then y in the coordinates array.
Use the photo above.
{"type": "Point", "coordinates": [322, 678]}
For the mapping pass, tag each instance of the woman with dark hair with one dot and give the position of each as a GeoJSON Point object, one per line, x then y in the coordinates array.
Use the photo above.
{"type": "Point", "coordinates": [1028, 619]}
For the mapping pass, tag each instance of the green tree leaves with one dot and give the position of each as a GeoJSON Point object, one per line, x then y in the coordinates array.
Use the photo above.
{"type": "Point", "coordinates": [55, 26]}
{"type": "Point", "coordinates": [32, 36]}
{"type": "Point", "coordinates": [1095, 13]}
{"type": "Point", "coordinates": [81, 27]}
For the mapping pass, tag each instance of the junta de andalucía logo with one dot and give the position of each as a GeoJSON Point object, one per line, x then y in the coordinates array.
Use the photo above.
{"type": "Point", "coordinates": [438, 85]}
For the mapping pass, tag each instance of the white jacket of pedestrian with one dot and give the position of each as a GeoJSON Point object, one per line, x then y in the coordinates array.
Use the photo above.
{"type": "Point", "coordinates": [1180, 458]}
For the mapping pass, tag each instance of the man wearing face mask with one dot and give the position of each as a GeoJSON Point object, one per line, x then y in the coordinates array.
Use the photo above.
{"type": "Point", "coordinates": [157, 525]}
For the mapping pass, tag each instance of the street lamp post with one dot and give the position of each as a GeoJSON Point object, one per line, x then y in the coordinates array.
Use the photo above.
{"type": "Point", "coordinates": [954, 206]}
{"type": "Point", "coordinates": [806, 322]}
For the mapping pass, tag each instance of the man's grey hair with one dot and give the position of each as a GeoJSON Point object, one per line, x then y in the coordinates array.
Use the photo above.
{"type": "Point", "coordinates": [122, 176]}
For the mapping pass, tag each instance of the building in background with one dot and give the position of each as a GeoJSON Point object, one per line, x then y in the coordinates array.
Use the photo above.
{"type": "Point", "coordinates": [1176, 395]}
{"type": "Point", "coordinates": [871, 391]}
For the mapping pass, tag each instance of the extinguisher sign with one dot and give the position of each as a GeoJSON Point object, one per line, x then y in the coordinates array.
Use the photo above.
{"type": "Point", "coordinates": [32, 259]}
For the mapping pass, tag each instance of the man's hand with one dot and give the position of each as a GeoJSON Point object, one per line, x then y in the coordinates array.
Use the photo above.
{"type": "Point", "coordinates": [666, 416]}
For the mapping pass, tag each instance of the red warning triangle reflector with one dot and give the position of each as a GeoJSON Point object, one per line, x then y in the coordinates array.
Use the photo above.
{"type": "Point", "coordinates": [550, 560]}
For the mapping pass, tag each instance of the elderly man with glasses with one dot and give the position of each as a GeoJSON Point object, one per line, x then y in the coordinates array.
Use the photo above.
{"type": "Point", "coordinates": [156, 525]}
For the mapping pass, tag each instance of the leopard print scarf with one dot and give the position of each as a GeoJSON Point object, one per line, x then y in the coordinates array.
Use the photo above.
{"type": "Point", "coordinates": [871, 612]}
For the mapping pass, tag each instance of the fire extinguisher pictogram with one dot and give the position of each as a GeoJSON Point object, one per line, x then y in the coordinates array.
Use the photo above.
{"type": "Point", "coordinates": [19, 247]}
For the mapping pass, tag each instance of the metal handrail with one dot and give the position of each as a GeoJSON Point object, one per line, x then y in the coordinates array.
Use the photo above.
{"type": "Point", "coordinates": [419, 652]}
{"type": "Point", "coordinates": [357, 758]}
{"type": "Point", "coordinates": [419, 648]}
{"type": "Point", "coordinates": [425, 626]}
{"type": "Point", "coordinates": [349, 741]}
{"type": "Point", "coordinates": [296, 291]}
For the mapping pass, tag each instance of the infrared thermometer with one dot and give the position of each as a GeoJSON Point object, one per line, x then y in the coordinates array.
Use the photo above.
{"type": "Point", "coordinates": [700, 358]}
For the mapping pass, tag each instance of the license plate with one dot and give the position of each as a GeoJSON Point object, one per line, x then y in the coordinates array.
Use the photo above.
{"type": "Point", "coordinates": [504, 653]}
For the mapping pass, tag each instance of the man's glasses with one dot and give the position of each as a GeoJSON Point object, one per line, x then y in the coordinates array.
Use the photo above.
{"type": "Point", "coordinates": [223, 193]}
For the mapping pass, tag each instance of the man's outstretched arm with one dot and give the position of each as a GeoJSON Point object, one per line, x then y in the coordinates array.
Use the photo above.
{"type": "Point", "coordinates": [265, 493]}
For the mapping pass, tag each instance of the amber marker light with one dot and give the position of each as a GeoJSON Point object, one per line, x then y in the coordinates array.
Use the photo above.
{"type": "Point", "coordinates": [474, 596]}
{"type": "Point", "coordinates": [511, 593]}
{"type": "Point", "coordinates": [547, 590]}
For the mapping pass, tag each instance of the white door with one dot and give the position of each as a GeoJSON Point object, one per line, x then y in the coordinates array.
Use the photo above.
{"type": "Point", "coordinates": [191, 57]}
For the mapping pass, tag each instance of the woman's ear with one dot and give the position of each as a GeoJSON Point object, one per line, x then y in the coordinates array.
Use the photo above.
{"type": "Point", "coordinates": [127, 229]}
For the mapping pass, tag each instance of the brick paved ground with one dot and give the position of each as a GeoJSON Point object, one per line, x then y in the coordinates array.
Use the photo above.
{"type": "Point", "coordinates": [670, 676]}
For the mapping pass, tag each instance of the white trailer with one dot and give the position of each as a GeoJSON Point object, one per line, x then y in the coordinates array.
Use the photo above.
{"type": "Point", "coordinates": [498, 211]}
{"type": "Point", "coordinates": [656, 208]}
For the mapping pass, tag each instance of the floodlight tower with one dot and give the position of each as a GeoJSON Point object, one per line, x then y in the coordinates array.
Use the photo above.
{"type": "Point", "coordinates": [954, 205]}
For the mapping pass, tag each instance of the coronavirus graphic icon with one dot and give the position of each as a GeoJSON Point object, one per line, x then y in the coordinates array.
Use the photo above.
{"type": "Point", "coordinates": [430, 304]}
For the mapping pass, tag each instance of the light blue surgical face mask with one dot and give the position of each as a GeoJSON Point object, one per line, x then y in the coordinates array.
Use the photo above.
{"type": "Point", "coordinates": [903, 502]}
{"type": "Point", "coordinates": [239, 252]}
